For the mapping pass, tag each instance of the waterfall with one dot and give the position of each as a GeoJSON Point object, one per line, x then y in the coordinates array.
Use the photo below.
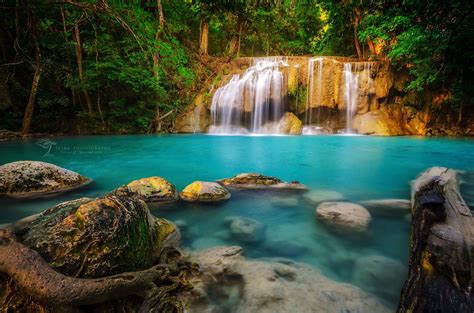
{"type": "Point", "coordinates": [259, 91]}
{"type": "Point", "coordinates": [351, 94]}
{"type": "Point", "coordinates": [319, 79]}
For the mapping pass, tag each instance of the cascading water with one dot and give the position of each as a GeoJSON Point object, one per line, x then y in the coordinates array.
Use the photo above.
{"type": "Point", "coordinates": [309, 129]}
{"type": "Point", "coordinates": [351, 94]}
{"type": "Point", "coordinates": [260, 90]}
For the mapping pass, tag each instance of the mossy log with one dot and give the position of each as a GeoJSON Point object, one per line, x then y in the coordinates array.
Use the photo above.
{"type": "Point", "coordinates": [441, 264]}
{"type": "Point", "coordinates": [30, 272]}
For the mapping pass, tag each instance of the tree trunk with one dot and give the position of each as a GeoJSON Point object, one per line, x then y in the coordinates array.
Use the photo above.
{"type": "Point", "coordinates": [77, 39]}
{"type": "Point", "coordinates": [161, 25]}
{"type": "Point", "coordinates": [25, 127]}
{"type": "Point", "coordinates": [356, 39]}
{"type": "Point", "coordinates": [204, 37]}
{"type": "Point", "coordinates": [371, 45]}
{"type": "Point", "coordinates": [441, 267]}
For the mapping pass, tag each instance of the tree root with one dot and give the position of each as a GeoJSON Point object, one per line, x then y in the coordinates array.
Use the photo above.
{"type": "Point", "coordinates": [36, 278]}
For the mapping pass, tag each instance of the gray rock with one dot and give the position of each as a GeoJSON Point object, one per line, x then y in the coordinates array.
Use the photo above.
{"type": "Point", "coordinates": [387, 207]}
{"type": "Point", "coordinates": [344, 216]}
{"type": "Point", "coordinates": [246, 230]}
{"type": "Point", "coordinates": [33, 179]}
{"type": "Point", "coordinates": [270, 286]}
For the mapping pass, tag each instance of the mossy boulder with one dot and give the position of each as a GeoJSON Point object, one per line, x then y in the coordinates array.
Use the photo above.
{"type": "Point", "coordinates": [33, 179]}
{"type": "Point", "coordinates": [200, 191]}
{"type": "Point", "coordinates": [259, 181]}
{"type": "Point", "coordinates": [99, 237]}
{"type": "Point", "coordinates": [154, 190]}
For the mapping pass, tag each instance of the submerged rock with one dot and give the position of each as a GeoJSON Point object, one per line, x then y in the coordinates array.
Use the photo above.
{"type": "Point", "coordinates": [387, 206]}
{"type": "Point", "coordinates": [375, 272]}
{"type": "Point", "coordinates": [154, 189]}
{"type": "Point", "coordinates": [230, 283]}
{"type": "Point", "coordinates": [32, 179]}
{"type": "Point", "coordinates": [99, 237]}
{"type": "Point", "coordinates": [344, 216]}
{"type": "Point", "coordinates": [321, 195]}
{"type": "Point", "coordinates": [246, 230]}
{"type": "Point", "coordinates": [200, 191]}
{"type": "Point", "coordinates": [285, 248]}
{"type": "Point", "coordinates": [259, 181]}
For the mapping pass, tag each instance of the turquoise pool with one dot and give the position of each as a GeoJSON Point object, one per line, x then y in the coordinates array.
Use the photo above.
{"type": "Point", "coordinates": [357, 167]}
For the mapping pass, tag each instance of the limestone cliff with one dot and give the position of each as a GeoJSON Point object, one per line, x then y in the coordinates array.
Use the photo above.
{"type": "Point", "coordinates": [316, 91]}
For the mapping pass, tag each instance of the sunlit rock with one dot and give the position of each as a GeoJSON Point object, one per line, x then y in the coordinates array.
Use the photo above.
{"type": "Point", "coordinates": [289, 124]}
{"type": "Point", "coordinates": [33, 179]}
{"type": "Point", "coordinates": [344, 216]}
{"type": "Point", "coordinates": [259, 181]}
{"type": "Point", "coordinates": [154, 189]}
{"type": "Point", "coordinates": [200, 191]}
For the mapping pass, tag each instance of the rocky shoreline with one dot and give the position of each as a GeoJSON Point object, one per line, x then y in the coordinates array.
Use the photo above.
{"type": "Point", "coordinates": [110, 253]}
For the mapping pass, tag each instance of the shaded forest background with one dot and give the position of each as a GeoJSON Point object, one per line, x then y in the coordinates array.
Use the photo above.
{"type": "Point", "coordinates": [112, 66]}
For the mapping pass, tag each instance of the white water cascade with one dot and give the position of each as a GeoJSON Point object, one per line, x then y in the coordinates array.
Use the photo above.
{"type": "Point", "coordinates": [311, 79]}
{"type": "Point", "coordinates": [351, 94]}
{"type": "Point", "coordinates": [259, 92]}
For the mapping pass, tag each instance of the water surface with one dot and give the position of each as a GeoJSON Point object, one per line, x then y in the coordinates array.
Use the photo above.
{"type": "Point", "coordinates": [357, 167]}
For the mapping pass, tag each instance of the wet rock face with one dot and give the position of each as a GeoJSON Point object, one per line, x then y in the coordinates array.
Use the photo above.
{"type": "Point", "coordinates": [259, 181]}
{"type": "Point", "coordinates": [154, 189]}
{"type": "Point", "coordinates": [344, 216]}
{"type": "Point", "coordinates": [32, 179]}
{"type": "Point", "coordinates": [99, 237]}
{"type": "Point", "coordinates": [200, 191]}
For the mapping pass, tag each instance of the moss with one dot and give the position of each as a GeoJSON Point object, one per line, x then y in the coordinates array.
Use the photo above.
{"type": "Point", "coordinates": [95, 238]}
{"type": "Point", "coordinates": [292, 80]}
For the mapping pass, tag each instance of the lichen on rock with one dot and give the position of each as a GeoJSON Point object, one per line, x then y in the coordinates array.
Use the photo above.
{"type": "Point", "coordinates": [31, 179]}
{"type": "Point", "coordinates": [154, 189]}
{"type": "Point", "coordinates": [200, 191]}
{"type": "Point", "coordinates": [99, 237]}
{"type": "Point", "coordinates": [259, 181]}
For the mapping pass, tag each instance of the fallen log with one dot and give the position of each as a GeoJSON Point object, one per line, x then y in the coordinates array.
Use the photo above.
{"type": "Point", "coordinates": [441, 264]}
{"type": "Point", "coordinates": [30, 272]}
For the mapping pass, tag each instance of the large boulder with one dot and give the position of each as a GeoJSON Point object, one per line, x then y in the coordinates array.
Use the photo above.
{"type": "Point", "coordinates": [196, 118]}
{"type": "Point", "coordinates": [375, 272]}
{"type": "Point", "coordinates": [259, 181]}
{"type": "Point", "coordinates": [290, 124]}
{"type": "Point", "coordinates": [344, 216]}
{"type": "Point", "coordinates": [99, 237]}
{"type": "Point", "coordinates": [200, 191]}
{"type": "Point", "coordinates": [230, 283]}
{"type": "Point", "coordinates": [154, 189]}
{"type": "Point", "coordinates": [32, 179]}
{"type": "Point", "coordinates": [378, 123]}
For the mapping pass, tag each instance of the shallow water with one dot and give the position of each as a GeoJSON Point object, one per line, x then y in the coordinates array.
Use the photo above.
{"type": "Point", "coordinates": [358, 167]}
